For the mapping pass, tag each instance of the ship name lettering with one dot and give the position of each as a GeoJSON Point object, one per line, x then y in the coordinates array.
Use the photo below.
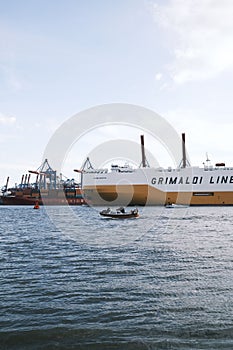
{"type": "Point", "coordinates": [173, 181]}
{"type": "Point", "coordinates": [160, 181]}
{"type": "Point", "coordinates": [181, 180]}
{"type": "Point", "coordinates": [195, 180]}
{"type": "Point", "coordinates": [221, 180]}
{"type": "Point", "coordinates": [153, 181]}
{"type": "Point", "coordinates": [224, 179]}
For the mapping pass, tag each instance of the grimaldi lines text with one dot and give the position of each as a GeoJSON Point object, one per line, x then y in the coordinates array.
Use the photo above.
{"type": "Point", "coordinates": [194, 180]}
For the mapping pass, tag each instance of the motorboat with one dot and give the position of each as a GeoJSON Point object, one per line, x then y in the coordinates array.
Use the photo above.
{"type": "Point", "coordinates": [119, 213]}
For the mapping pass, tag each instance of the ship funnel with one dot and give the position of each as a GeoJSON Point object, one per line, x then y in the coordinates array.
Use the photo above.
{"type": "Point", "coordinates": [143, 152]}
{"type": "Point", "coordinates": [184, 162]}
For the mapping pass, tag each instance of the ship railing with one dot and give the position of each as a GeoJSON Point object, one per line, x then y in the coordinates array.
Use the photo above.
{"type": "Point", "coordinates": [95, 171]}
{"type": "Point", "coordinates": [217, 168]}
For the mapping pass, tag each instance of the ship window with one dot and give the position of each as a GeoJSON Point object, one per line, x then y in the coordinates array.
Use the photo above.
{"type": "Point", "coordinates": [203, 194]}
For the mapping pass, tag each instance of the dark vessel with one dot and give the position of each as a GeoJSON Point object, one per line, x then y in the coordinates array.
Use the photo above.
{"type": "Point", "coordinates": [119, 213]}
{"type": "Point", "coordinates": [48, 189]}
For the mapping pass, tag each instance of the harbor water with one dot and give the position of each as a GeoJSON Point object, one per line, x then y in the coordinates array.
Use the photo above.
{"type": "Point", "coordinates": [71, 279]}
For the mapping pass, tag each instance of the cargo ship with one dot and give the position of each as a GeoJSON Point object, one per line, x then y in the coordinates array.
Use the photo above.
{"type": "Point", "coordinates": [47, 189]}
{"type": "Point", "coordinates": [184, 185]}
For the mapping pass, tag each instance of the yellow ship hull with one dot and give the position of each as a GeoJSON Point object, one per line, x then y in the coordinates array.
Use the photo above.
{"type": "Point", "coordinates": [148, 195]}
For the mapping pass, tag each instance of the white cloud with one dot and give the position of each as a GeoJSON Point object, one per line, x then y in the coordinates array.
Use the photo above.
{"type": "Point", "coordinates": [5, 120]}
{"type": "Point", "coordinates": [158, 76]}
{"type": "Point", "coordinates": [200, 35]}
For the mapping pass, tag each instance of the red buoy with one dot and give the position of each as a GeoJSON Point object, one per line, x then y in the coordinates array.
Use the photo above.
{"type": "Point", "coordinates": [36, 206]}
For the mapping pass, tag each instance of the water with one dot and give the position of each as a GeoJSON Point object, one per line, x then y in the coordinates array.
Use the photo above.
{"type": "Point", "coordinates": [73, 280]}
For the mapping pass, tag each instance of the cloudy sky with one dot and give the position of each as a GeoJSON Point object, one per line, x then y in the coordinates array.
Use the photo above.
{"type": "Point", "coordinates": [60, 57]}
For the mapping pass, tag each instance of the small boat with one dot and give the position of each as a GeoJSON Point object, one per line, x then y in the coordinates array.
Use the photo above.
{"type": "Point", "coordinates": [120, 213]}
{"type": "Point", "coordinates": [170, 205]}
{"type": "Point", "coordinates": [173, 205]}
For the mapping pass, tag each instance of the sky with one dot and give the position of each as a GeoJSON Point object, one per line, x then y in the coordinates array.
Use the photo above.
{"type": "Point", "coordinates": [60, 57]}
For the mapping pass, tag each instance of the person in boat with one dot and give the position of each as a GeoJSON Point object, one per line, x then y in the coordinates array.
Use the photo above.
{"type": "Point", "coordinates": [121, 210]}
{"type": "Point", "coordinates": [106, 211]}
